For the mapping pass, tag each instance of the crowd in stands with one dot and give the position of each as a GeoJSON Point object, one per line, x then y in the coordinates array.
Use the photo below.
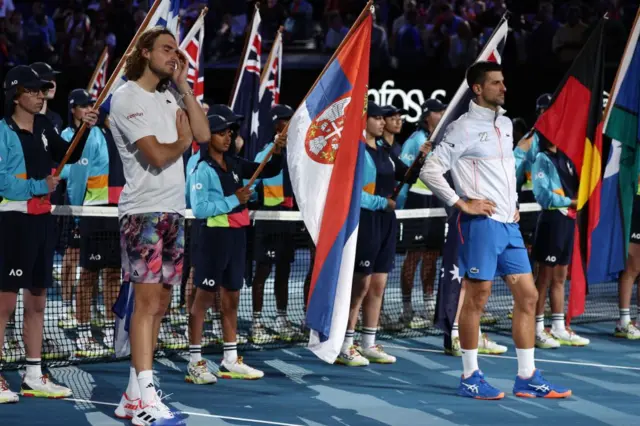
{"type": "Point", "coordinates": [447, 34]}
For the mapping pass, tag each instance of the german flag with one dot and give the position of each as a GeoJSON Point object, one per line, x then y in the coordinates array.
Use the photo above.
{"type": "Point", "coordinates": [573, 123]}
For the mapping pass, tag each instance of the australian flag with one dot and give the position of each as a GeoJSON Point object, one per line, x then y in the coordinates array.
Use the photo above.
{"type": "Point", "coordinates": [164, 13]}
{"type": "Point", "coordinates": [245, 100]}
{"type": "Point", "coordinates": [269, 93]}
{"type": "Point", "coordinates": [450, 282]}
{"type": "Point", "coordinates": [192, 46]}
{"type": "Point", "coordinates": [99, 80]}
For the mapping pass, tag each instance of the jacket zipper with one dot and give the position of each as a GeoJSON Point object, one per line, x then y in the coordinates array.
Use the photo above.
{"type": "Point", "coordinates": [503, 168]}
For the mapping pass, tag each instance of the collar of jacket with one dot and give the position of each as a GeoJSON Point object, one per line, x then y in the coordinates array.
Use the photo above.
{"type": "Point", "coordinates": [485, 113]}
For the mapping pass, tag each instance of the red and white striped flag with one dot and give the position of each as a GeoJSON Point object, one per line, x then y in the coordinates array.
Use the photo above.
{"type": "Point", "coordinates": [192, 46]}
{"type": "Point", "coordinates": [99, 78]}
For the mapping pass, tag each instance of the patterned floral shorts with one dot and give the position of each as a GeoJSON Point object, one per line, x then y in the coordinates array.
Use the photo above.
{"type": "Point", "coordinates": [152, 247]}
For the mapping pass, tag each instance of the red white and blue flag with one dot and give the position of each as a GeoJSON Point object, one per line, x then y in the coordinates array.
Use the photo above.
{"type": "Point", "coordinates": [192, 46]}
{"type": "Point", "coordinates": [269, 93]}
{"type": "Point", "coordinates": [246, 100]}
{"type": "Point", "coordinates": [325, 154]}
{"type": "Point", "coordinates": [99, 81]}
{"type": "Point", "coordinates": [450, 280]}
{"type": "Point", "coordinates": [165, 15]}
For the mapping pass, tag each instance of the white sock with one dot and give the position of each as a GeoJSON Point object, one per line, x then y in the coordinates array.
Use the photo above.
{"type": "Point", "coordinates": [539, 324]}
{"type": "Point", "coordinates": [348, 341]}
{"type": "Point", "coordinates": [469, 362]}
{"type": "Point", "coordinates": [230, 351]}
{"type": "Point", "coordinates": [34, 369]}
{"type": "Point", "coordinates": [368, 337]}
{"type": "Point", "coordinates": [526, 362]}
{"type": "Point", "coordinates": [147, 388]}
{"type": "Point", "coordinates": [195, 353]}
{"type": "Point", "coordinates": [454, 331]}
{"type": "Point", "coordinates": [557, 322]}
{"type": "Point", "coordinates": [625, 316]}
{"type": "Point", "coordinates": [133, 388]}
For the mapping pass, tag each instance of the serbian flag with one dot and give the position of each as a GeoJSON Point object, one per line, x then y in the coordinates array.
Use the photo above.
{"type": "Point", "coordinates": [573, 123]}
{"type": "Point", "coordinates": [192, 46]}
{"type": "Point", "coordinates": [325, 154]}
{"type": "Point", "coordinates": [99, 79]}
{"type": "Point", "coordinates": [450, 282]}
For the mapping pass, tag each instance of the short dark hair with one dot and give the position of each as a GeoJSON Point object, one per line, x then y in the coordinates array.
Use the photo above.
{"type": "Point", "coordinates": [476, 73]}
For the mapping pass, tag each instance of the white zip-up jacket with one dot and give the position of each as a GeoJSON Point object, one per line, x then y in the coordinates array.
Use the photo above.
{"type": "Point", "coordinates": [478, 149]}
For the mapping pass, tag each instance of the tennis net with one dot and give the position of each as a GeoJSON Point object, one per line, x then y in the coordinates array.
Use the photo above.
{"type": "Point", "coordinates": [78, 316]}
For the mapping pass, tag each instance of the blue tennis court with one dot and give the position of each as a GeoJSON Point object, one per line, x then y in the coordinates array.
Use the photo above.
{"type": "Point", "coordinates": [299, 389]}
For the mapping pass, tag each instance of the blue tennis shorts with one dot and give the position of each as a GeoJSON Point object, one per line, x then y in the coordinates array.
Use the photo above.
{"type": "Point", "coordinates": [489, 248]}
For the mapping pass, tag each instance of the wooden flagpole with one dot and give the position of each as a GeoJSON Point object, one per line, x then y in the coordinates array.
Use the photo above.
{"type": "Point", "coordinates": [363, 15]}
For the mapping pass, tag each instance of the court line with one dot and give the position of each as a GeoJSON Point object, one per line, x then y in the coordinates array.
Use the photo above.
{"type": "Point", "coordinates": [240, 419]}
{"type": "Point", "coordinates": [552, 361]}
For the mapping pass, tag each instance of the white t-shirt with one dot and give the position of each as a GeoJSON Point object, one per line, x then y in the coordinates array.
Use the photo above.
{"type": "Point", "coordinates": [136, 113]}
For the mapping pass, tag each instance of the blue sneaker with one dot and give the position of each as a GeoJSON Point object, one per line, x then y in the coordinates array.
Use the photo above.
{"type": "Point", "coordinates": [476, 387]}
{"type": "Point", "coordinates": [537, 387]}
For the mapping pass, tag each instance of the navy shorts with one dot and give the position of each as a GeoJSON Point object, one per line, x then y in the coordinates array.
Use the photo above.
{"type": "Point", "coordinates": [221, 258]}
{"type": "Point", "coordinates": [422, 234]}
{"type": "Point", "coordinates": [376, 245]}
{"type": "Point", "coordinates": [27, 245]}
{"type": "Point", "coordinates": [489, 248]}
{"type": "Point", "coordinates": [100, 243]}
{"type": "Point", "coordinates": [635, 221]}
{"type": "Point", "coordinates": [274, 242]}
{"type": "Point", "coordinates": [553, 244]}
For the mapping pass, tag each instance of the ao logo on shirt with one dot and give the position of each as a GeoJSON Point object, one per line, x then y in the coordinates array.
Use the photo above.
{"type": "Point", "coordinates": [196, 186]}
{"type": "Point", "coordinates": [84, 161]}
{"type": "Point", "coordinates": [15, 273]}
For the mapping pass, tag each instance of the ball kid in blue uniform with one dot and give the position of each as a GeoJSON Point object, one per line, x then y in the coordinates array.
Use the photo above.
{"type": "Point", "coordinates": [29, 146]}
{"type": "Point", "coordinates": [376, 245]}
{"type": "Point", "coordinates": [217, 195]}
{"type": "Point", "coordinates": [275, 244]}
{"type": "Point", "coordinates": [555, 186]}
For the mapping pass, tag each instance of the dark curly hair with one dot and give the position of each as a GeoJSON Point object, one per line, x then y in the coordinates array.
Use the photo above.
{"type": "Point", "coordinates": [136, 63]}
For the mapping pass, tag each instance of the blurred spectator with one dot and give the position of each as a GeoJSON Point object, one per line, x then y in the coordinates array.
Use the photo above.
{"type": "Point", "coordinates": [409, 7]}
{"type": "Point", "coordinates": [40, 35]}
{"type": "Point", "coordinates": [336, 32]}
{"type": "Point", "coordinates": [540, 41]}
{"type": "Point", "coordinates": [273, 14]}
{"type": "Point", "coordinates": [570, 37]}
{"type": "Point", "coordinates": [408, 47]}
{"type": "Point", "coordinates": [463, 47]}
{"type": "Point", "coordinates": [299, 24]}
{"type": "Point", "coordinates": [379, 44]}
{"type": "Point", "coordinates": [6, 7]}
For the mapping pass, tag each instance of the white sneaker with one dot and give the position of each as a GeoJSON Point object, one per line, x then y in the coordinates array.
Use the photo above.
{"type": "Point", "coordinates": [488, 346]}
{"type": "Point", "coordinates": [568, 337]}
{"type": "Point", "coordinates": [545, 340]}
{"type": "Point", "coordinates": [455, 349]}
{"type": "Point", "coordinates": [259, 334]}
{"type": "Point", "coordinates": [376, 355]}
{"type": "Point", "coordinates": [285, 331]}
{"type": "Point", "coordinates": [198, 373]}
{"type": "Point", "coordinates": [351, 358]}
{"type": "Point", "coordinates": [238, 370]}
{"type": "Point", "coordinates": [127, 407]}
{"type": "Point", "coordinates": [156, 411]}
{"type": "Point", "coordinates": [67, 321]}
{"type": "Point", "coordinates": [629, 331]}
{"type": "Point", "coordinates": [6, 396]}
{"type": "Point", "coordinates": [43, 387]}
{"type": "Point", "coordinates": [87, 346]}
